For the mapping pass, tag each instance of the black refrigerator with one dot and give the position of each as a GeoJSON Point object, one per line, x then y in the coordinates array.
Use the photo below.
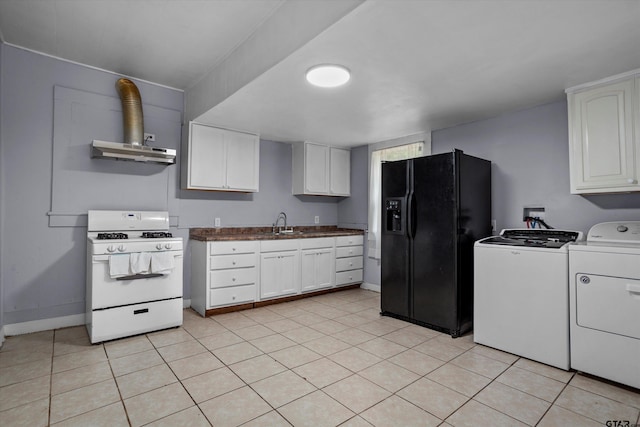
{"type": "Point", "coordinates": [433, 210]}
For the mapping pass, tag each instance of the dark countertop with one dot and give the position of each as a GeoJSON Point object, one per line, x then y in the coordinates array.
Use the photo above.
{"type": "Point", "coordinates": [265, 233]}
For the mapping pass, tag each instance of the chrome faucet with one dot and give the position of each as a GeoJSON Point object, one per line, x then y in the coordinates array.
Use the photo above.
{"type": "Point", "coordinates": [284, 217]}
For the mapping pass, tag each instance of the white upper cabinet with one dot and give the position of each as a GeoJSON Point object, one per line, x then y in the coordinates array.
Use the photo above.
{"type": "Point", "coordinates": [321, 170]}
{"type": "Point", "coordinates": [220, 159]}
{"type": "Point", "coordinates": [340, 168]}
{"type": "Point", "coordinates": [604, 136]}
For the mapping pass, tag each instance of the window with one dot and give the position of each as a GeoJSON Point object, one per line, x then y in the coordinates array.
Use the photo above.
{"type": "Point", "coordinates": [401, 152]}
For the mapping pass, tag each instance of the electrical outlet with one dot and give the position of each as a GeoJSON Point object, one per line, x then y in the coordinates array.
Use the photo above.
{"type": "Point", "coordinates": [149, 137]}
{"type": "Point", "coordinates": [217, 222]}
{"type": "Point", "coordinates": [316, 219]}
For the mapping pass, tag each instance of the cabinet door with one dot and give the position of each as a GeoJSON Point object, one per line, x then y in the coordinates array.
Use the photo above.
{"type": "Point", "coordinates": [278, 274]}
{"type": "Point", "coordinates": [340, 171]}
{"type": "Point", "coordinates": [603, 152]}
{"type": "Point", "coordinates": [325, 268]}
{"type": "Point", "coordinates": [206, 157]}
{"type": "Point", "coordinates": [308, 269]}
{"type": "Point", "coordinates": [317, 269]}
{"type": "Point", "coordinates": [289, 276]}
{"type": "Point", "coordinates": [242, 161]}
{"type": "Point", "coordinates": [316, 169]}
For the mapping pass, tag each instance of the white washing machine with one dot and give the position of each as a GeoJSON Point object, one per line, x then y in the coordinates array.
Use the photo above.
{"type": "Point", "coordinates": [604, 292]}
{"type": "Point", "coordinates": [521, 296]}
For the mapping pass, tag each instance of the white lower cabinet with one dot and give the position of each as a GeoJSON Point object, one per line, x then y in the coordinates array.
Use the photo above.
{"type": "Point", "coordinates": [349, 261]}
{"type": "Point", "coordinates": [227, 273]}
{"type": "Point", "coordinates": [317, 264]}
{"type": "Point", "coordinates": [223, 274]}
{"type": "Point", "coordinates": [279, 268]}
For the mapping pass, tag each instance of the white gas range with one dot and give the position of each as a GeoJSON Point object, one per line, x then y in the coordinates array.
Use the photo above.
{"type": "Point", "coordinates": [134, 274]}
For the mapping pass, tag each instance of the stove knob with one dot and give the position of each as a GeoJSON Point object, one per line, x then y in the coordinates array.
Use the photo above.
{"type": "Point", "coordinates": [111, 248]}
{"type": "Point", "coordinates": [122, 248]}
{"type": "Point", "coordinates": [159, 246]}
{"type": "Point", "coordinates": [622, 228]}
{"type": "Point", "coordinates": [167, 245]}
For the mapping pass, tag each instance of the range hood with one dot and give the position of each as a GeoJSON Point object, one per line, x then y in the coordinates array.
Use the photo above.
{"type": "Point", "coordinates": [134, 147]}
{"type": "Point", "coordinates": [134, 152]}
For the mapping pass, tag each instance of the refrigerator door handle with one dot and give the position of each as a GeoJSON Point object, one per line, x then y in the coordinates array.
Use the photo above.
{"type": "Point", "coordinates": [411, 215]}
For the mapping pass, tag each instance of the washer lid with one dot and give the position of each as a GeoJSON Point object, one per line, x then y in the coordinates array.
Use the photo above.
{"type": "Point", "coordinates": [627, 232]}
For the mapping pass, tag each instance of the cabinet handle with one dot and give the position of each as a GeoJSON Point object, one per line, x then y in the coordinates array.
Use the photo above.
{"type": "Point", "coordinates": [350, 264]}
{"type": "Point", "coordinates": [632, 181]}
{"type": "Point", "coordinates": [233, 249]}
{"type": "Point", "coordinates": [233, 279]}
{"type": "Point", "coordinates": [634, 289]}
{"type": "Point", "coordinates": [233, 297]}
{"type": "Point", "coordinates": [233, 263]}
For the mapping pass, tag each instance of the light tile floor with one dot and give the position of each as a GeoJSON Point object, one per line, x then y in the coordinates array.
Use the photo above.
{"type": "Point", "coordinates": [324, 361]}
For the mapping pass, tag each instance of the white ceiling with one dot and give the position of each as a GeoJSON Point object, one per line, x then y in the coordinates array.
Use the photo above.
{"type": "Point", "coordinates": [417, 65]}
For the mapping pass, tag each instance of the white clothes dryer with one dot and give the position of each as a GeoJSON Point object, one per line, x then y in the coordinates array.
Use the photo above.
{"type": "Point", "coordinates": [604, 295]}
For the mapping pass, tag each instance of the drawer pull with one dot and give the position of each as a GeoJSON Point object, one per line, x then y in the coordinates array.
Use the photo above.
{"type": "Point", "coordinates": [233, 279]}
{"type": "Point", "coordinates": [233, 249]}
{"type": "Point", "coordinates": [141, 311]}
{"type": "Point", "coordinates": [233, 297]}
{"type": "Point", "coordinates": [350, 264]}
{"type": "Point", "coordinates": [233, 263]}
{"type": "Point", "coordinates": [634, 289]}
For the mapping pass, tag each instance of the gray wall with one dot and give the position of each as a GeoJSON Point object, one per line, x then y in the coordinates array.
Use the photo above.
{"type": "Point", "coordinates": [47, 178]}
{"type": "Point", "coordinates": [530, 154]}
{"type": "Point", "coordinates": [353, 211]}
{"type": "Point", "coordinates": [530, 160]}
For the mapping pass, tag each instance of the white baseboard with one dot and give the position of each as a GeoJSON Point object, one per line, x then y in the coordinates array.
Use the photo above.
{"type": "Point", "coordinates": [370, 287]}
{"type": "Point", "coordinates": [44, 324]}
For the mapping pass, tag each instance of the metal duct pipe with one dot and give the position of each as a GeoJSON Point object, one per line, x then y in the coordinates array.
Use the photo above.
{"type": "Point", "coordinates": [131, 112]}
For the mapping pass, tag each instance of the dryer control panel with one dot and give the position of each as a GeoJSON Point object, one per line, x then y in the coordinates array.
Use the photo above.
{"type": "Point", "coordinates": [615, 232]}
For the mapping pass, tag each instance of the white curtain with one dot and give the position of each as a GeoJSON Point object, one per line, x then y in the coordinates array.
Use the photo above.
{"type": "Point", "coordinates": [401, 152]}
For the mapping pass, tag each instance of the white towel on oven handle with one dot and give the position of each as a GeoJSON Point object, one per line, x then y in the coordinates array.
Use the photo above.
{"type": "Point", "coordinates": [118, 266]}
{"type": "Point", "coordinates": [162, 262]}
{"type": "Point", "coordinates": [140, 262]}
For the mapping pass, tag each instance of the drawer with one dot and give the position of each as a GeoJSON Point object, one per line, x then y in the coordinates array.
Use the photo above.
{"type": "Point", "coordinates": [233, 247]}
{"type": "Point", "coordinates": [352, 263]}
{"type": "Point", "coordinates": [234, 277]}
{"type": "Point", "coordinates": [349, 240]}
{"type": "Point", "coordinates": [233, 261]}
{"type": "Point", "coordinates": [231, 296]}
{"type": "Point", "coordinates": [279, 245]}
{"type": "Point", "coordinates": [320, 243]}
{"type": "Point", "coordinates": [347, 251]}
{"type": "Point", "coordinates": [346, 277]}
{"type": "Point", "coordinates": [134, 319]}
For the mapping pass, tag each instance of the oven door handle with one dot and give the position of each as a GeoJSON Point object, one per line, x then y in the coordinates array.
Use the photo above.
{"type": "Point", "coordinates": [140, 276]}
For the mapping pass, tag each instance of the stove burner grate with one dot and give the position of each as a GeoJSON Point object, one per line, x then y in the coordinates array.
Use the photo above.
{"type": "Point", "coordinates": [112, 236]}
{"type": "Point", "coordinates": [155, 234]}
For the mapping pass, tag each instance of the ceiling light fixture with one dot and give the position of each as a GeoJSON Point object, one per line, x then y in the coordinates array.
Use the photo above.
{"type": "Point", "coordinates": [328, 75]}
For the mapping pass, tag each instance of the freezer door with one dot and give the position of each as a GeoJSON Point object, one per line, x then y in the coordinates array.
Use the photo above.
{"type": "Point", "coordinates": [396, 248]}
{"type": "Point", "coordinates": [434, 296]}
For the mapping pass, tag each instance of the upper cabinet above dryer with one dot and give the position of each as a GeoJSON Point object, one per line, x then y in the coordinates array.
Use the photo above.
{"type": "Point", "coordinates": [604, 135]}
{"type": "Point", "coordinates": [321, 170]}
{"type": "Point", "coordinates": [220, 159]}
